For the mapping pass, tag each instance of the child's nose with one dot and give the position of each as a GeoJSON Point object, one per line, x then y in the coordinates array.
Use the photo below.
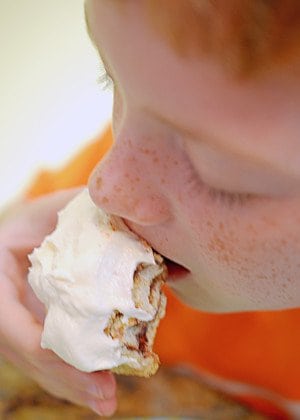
{"type": "Point", "coordinates": [122, 186]}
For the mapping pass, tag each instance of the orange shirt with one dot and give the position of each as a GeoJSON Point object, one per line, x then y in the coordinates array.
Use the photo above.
{"type": "Point", "coordinates": [253, 356]}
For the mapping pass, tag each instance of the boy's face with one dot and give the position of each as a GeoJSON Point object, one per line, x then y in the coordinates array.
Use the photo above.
{"type": "Point", "coordinates": [204, 167]}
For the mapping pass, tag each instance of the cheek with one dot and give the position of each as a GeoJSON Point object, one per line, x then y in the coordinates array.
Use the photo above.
{"type": "Point", "coordinates": [252, 255]}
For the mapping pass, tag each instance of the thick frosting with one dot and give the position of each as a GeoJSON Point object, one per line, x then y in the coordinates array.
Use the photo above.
{"type": "Point", "coordinates": [83, 272]}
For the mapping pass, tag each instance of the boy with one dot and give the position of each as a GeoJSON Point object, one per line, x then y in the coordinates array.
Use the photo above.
{"type": "Point", "coordinates": [204, 166]}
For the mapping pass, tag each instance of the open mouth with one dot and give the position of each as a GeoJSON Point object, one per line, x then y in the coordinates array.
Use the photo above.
{"type": "Point", "coordinates": [175, 271]}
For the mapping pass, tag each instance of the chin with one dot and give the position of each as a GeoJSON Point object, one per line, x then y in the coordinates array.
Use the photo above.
{"type": "Point", "coordinates": [191, 292]}
{"type": "Point", "coordinates": [193, 296]}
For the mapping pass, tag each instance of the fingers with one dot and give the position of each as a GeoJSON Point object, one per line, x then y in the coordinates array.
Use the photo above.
{"type": "Point", "coordinates": [18, 328]}
{"type": "Point", "coordinates": [21, 335]}
{"type": "Point", "coordinates": [27, 226]}
{"type": "Point", "coordinates": [97, 385]}
{"type": "Point", "coordinates": [95, 390]}
{"type": "Point", "coordinates": [84, 390]}
{"type": "Point", "coordinates": [100, 384]}
{"type": "Point", "coordinates": [103, 408]}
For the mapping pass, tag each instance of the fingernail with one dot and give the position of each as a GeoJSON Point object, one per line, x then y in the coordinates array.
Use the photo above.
{"type": "Point", "coordinates": [108, 407]}
{"type": "Point", "coordinates": [95, 391]}
{"type": "Point", "coordinates": [105, 391]}
{"type": "Point", "coordinates": [108, 388]}
{"type": "Point", "coordinates": [103, 408]}
{"type": "Point", "coordinates": [94, 405]}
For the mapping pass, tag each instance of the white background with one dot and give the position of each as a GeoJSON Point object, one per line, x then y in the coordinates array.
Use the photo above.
{"type": "Point", "coordinates": [50, 102]}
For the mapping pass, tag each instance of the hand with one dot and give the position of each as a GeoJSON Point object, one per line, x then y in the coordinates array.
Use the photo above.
{"type": "Point", "coordinates": [21, 314]}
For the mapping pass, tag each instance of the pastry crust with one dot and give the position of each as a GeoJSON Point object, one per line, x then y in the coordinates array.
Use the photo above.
{"type": "Point", "coordinates": [137, 336]}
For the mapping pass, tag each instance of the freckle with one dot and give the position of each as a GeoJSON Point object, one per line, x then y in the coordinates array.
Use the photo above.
{"type": "Point", "coordinates": [209, 223]}
{"type": "Point", "coordinates": [225, 258]}
{"type": "Point", "coordinates": [251, 247]}
{"type": "Point", "coordinates": [262, 277]}
{"type": "Point", "coordinates": [231, 233]}
{"type": "Point", "coordinates": [269, 222]}
{"type": "Point", "coordinates": [250, 227]}
{"type": "Point", "coordinates": [117, 188]}
{"type": "Point", "coordinates": [99, 182]}
{"type": "Point", "coordinates": [104, 200]}
{"type": "Point", "coordinates": [220, 243]}
{"type": "Point", "coordinates": [163, 180]}
{"type": "Point", "coordinates": [155, 160]}
{"type": "Point", "coordinates": [221, 226]}
{"type": "Point", "coordinates": [137, 179]}
{"type": "Point", "coordinates": [211, 247]}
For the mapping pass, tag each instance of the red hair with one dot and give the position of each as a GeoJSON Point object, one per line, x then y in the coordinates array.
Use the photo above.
{"type": "Point", "coordinates": [247, 36]}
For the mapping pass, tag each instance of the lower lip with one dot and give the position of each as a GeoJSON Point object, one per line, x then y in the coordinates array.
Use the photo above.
{"type": "Point", "coordinates": [175, 271]}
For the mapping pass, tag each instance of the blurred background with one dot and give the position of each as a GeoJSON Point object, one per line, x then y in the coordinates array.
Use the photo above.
{"type": "Point", "coordinates": [50, 100]}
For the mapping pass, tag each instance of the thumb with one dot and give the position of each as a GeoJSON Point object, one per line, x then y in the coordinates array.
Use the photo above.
{"type": "Point", "coordinates": [18, 328]}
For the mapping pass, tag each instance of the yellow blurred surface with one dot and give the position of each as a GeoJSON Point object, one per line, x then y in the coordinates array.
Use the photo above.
{"type": "Point", "coordinates": [170, 392]}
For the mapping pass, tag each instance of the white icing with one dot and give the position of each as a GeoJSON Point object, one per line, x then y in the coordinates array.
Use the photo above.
{"type": "Point", "coordinates": [82, 272]}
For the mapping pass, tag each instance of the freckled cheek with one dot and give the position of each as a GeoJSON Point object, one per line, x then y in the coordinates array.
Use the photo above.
{"type": "Point", "coordinates": [254, 262]}
{"type": "Point", "coordinates": [222, 248]}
